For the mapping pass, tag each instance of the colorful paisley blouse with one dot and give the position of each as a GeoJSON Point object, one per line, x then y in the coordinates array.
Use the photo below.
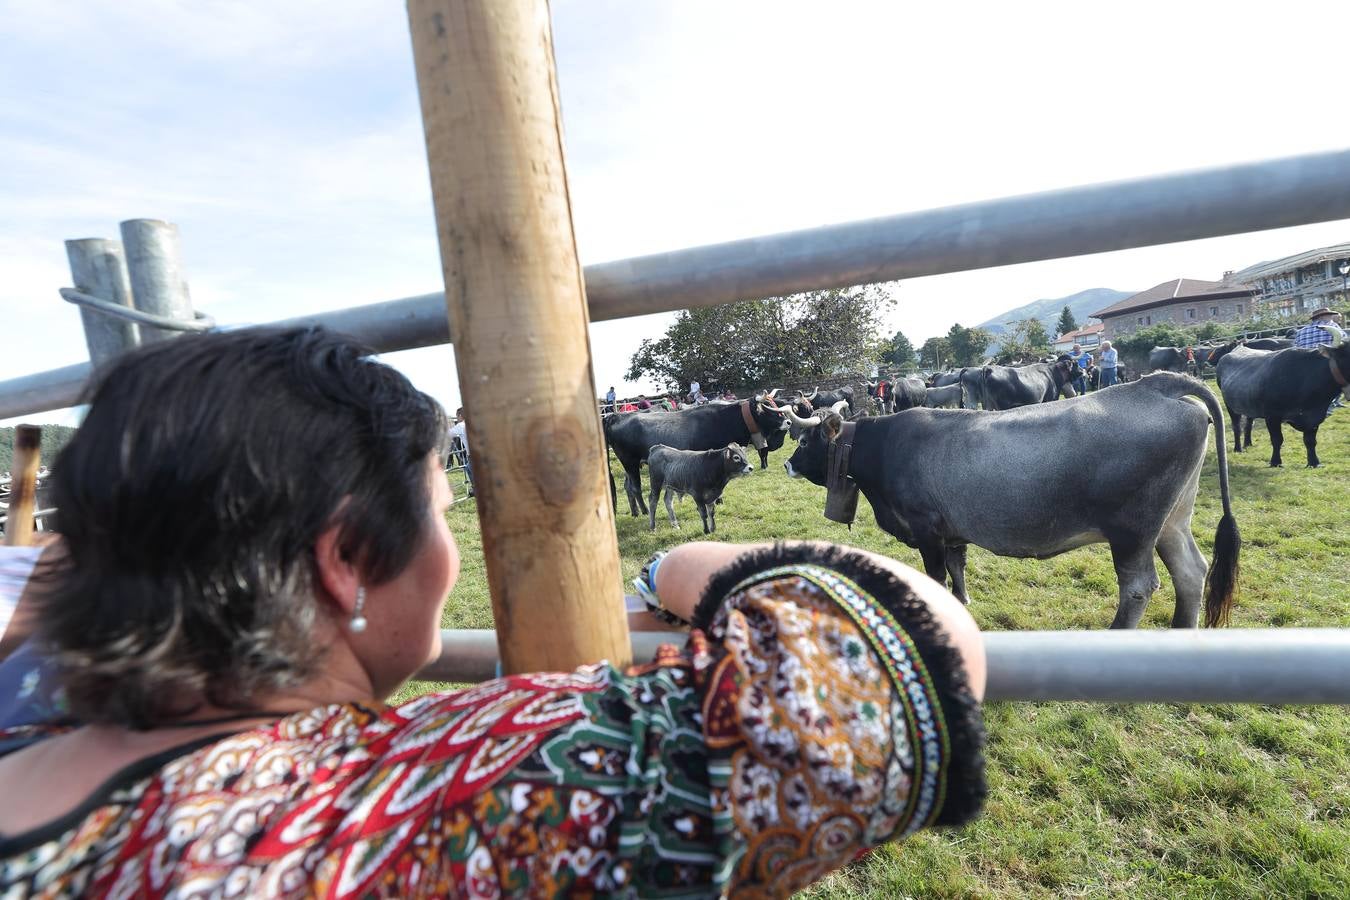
{"type": "Point", "coordinates": [813, 713]}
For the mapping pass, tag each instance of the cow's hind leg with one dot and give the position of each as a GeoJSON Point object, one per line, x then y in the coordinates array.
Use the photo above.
{"type": "Point", "coordinates": [1247, 422]}
{"type": "Point", "coordinates": [1138, 579]}
{"type": "Point", "coordinates": [1236, 420]}
{"type": "Point", "coordinates": [670, 507]}
{"type": "Point", "coordinates": [1310, 444]}
{"type": "Point", "coordinates": [956, 568]}
{"type": "Point", "coordinates": [934, 561]}
{"type": "Point", "coordinates": [1184, 560]}
{"type": "Point", "coordinates": [1274, 426]}
{"type": "Point", "coordinates": [704, 511]}
{"type": "Point", "coordinates": [656, 485]}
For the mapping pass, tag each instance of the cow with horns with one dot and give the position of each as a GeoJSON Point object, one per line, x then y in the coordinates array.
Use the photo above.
{"type": "Point", "coordinates": [933, 476]}
{"type": "Point", "coordinates": [819, 399]}
{"type": "Point", "coordinates": [761, 422]}
{"type": "Point", "coordinates": [1292, 385]}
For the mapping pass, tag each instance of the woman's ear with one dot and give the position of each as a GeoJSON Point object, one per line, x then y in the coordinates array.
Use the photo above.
{"type": "Point", "coordinates": [335, 573]}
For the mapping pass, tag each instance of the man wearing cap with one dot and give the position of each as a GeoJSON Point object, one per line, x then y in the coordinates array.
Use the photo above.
{"type": "Point", "coordinates": [1318, 330]}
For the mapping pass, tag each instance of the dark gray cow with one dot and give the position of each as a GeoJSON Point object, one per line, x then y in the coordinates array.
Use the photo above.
{"type": "Point", "coordinates": [1294, 386]}
{"type": "Point", "coordinates": [1008, 387]}
{"type": "Point", "coordinates": [702, 474]}
{"type": "Point", "coordinates": [908, 393]}
{"type": "Point", "coordinates": [950, 396]}
{"type": "Point", "coordinates": [941, 479]}
{"type": "Point", "coordinates": [942, 379]}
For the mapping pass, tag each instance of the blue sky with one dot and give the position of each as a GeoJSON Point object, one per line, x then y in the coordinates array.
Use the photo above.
{"type": "Point", "coordinates": [285, 140]}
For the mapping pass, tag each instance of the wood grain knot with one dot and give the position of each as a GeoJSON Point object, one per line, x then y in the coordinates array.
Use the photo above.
{"type": "Point", "coordinates": [563, 460]}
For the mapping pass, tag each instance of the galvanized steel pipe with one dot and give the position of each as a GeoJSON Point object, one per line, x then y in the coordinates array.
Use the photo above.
{"type": "Point", "coordinates": [98, 267]}
{"type": "Point", "coordinates": [157, 285]}
{"type": "Point", "coordinates": [1091, 219]}
{"type": "Point", "coordinates": [1241, 665]}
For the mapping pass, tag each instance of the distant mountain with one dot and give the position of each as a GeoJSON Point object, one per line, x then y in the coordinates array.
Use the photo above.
{"type": "Point", "coordinates": [1048, 311]}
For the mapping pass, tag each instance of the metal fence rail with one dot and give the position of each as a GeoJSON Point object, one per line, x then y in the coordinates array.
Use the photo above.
{"type": "Point", "coordinates": [1252, 665]}
{"type": "Point", "coordinates": [1071, 222]}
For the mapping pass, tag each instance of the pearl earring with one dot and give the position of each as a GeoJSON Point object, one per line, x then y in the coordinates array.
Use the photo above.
{"type": "Point", "coordinates": [358, 623]}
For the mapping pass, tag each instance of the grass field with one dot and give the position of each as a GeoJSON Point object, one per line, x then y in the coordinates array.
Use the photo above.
{"type": "Point", "coordinates": [1092, 800]}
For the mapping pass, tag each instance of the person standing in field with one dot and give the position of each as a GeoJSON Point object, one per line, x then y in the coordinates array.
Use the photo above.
{"type": "Point", "coordinates": [1108, 362]}
{"type": "Point", "coordinates": [459, 433]}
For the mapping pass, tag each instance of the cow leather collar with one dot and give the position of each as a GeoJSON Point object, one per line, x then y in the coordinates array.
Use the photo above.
{"type": "Point", "coordinates": [755, 437]}
{"type": "Point", "coordinates": [1336, 372]}
{"type": "Point", "coordinates": [841, 491]}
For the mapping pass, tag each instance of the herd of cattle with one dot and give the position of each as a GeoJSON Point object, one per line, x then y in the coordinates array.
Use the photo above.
{"type": "Point", "coordinates": [941, 455]}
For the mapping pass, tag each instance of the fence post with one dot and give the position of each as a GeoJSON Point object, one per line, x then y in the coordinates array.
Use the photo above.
{"type": "Point", "coordinates": [23, 486]}
{"type": "Point", "coordinates": [517, 311]}
{"type": "Point", "coordinates": [98, 267]}
{"type": "Point", "coordinates": [153, 259]}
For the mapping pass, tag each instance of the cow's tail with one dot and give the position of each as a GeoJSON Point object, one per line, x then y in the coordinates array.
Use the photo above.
{"type": "Point", "coordinates": [984, 388]}
{"type": "Point", "coordinates": [605, 421]}
{"type": "Point", "coordinates": [1221, 581]}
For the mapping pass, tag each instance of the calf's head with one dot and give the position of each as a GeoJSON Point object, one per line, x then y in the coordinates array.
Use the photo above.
{"type": "Point", "coordinates": [735, 462]}
{"type": "Point", "coordinates": [811, 458]}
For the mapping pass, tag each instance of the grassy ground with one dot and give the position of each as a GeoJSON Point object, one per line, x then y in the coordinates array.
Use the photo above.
{"type": "Point", "coordinates": [1091, 800]}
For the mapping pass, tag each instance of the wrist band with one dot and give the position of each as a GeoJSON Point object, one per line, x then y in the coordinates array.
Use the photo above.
{"type": "Point", "coordinates": [645, 583]}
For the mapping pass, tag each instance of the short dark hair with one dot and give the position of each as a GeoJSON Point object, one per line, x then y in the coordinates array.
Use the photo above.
{"type": "Point", "coordinates": [190, 501]}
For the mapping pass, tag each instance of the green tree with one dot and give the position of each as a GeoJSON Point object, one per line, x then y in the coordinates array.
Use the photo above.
{"type": "Point", "coordinates": [968, 346]}
{"type": "Point", "coordinates": [1026, 342]}
{"type": "Point", "coordinates": [899, 352]}
{"type": "Point", "coordinates": [54, 440]}
{"type": "Point", "coordinates": [935, 354]}
{"type": "Point", "coordinates": [1067, 322]}
{"type": "Point", "coordinates": [759, 343]}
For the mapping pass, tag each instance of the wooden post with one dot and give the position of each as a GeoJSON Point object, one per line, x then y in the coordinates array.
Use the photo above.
{"type": "Point", "coordinates": [23, 486]}
{"type": "Point", "coordinates": [518, 317]}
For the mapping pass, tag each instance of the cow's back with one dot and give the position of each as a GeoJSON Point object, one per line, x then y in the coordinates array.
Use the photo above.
{"type": "Point", "coordinates": [700, 428]}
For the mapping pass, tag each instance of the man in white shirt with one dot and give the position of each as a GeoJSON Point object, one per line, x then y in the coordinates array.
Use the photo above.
{"type": "Point", "coordinates": [459, 432]}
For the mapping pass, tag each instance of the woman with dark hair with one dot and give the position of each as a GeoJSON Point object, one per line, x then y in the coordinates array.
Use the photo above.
{"type": "Point", "coordinates": [255, 556]}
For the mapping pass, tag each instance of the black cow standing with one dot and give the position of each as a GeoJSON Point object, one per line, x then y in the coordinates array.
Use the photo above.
{"type": "Point", "coordinates": [713, 426]}
{"type": "Point", "coordinates": [1294, 386]}
{"type": "Point", "coordinates": [1008, 387]}
{"type": "Point", "coordinates": [908, 393]}
{"type": "Point", "coordinates": [702, 474]}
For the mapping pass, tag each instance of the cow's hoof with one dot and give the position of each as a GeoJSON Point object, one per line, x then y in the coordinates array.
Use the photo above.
{"type": "Point", "coordinates": [1277, 465]}
{"type": "Point", "coordinates": [1314, 465]}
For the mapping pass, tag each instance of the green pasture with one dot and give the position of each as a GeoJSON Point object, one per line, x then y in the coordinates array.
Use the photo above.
{"type": "Point", "coordinates": [1092, 800]}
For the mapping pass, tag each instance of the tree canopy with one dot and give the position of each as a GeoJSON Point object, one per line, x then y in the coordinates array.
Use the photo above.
{"type": "Point", "coordinates": [968, 346]}
{"type": "Point", "coordinates": [1066, 323]}
{"type": "Point", "coordinates": [759, 343]}
{"type": "Point", "coordinates": [935, 354]}
{"type": "Point", "coordinates": [1026, 342]}
{"type": "Point", "coordinates": [899, 352]}
{"type": "Point", "coordinates": [54, 439]}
